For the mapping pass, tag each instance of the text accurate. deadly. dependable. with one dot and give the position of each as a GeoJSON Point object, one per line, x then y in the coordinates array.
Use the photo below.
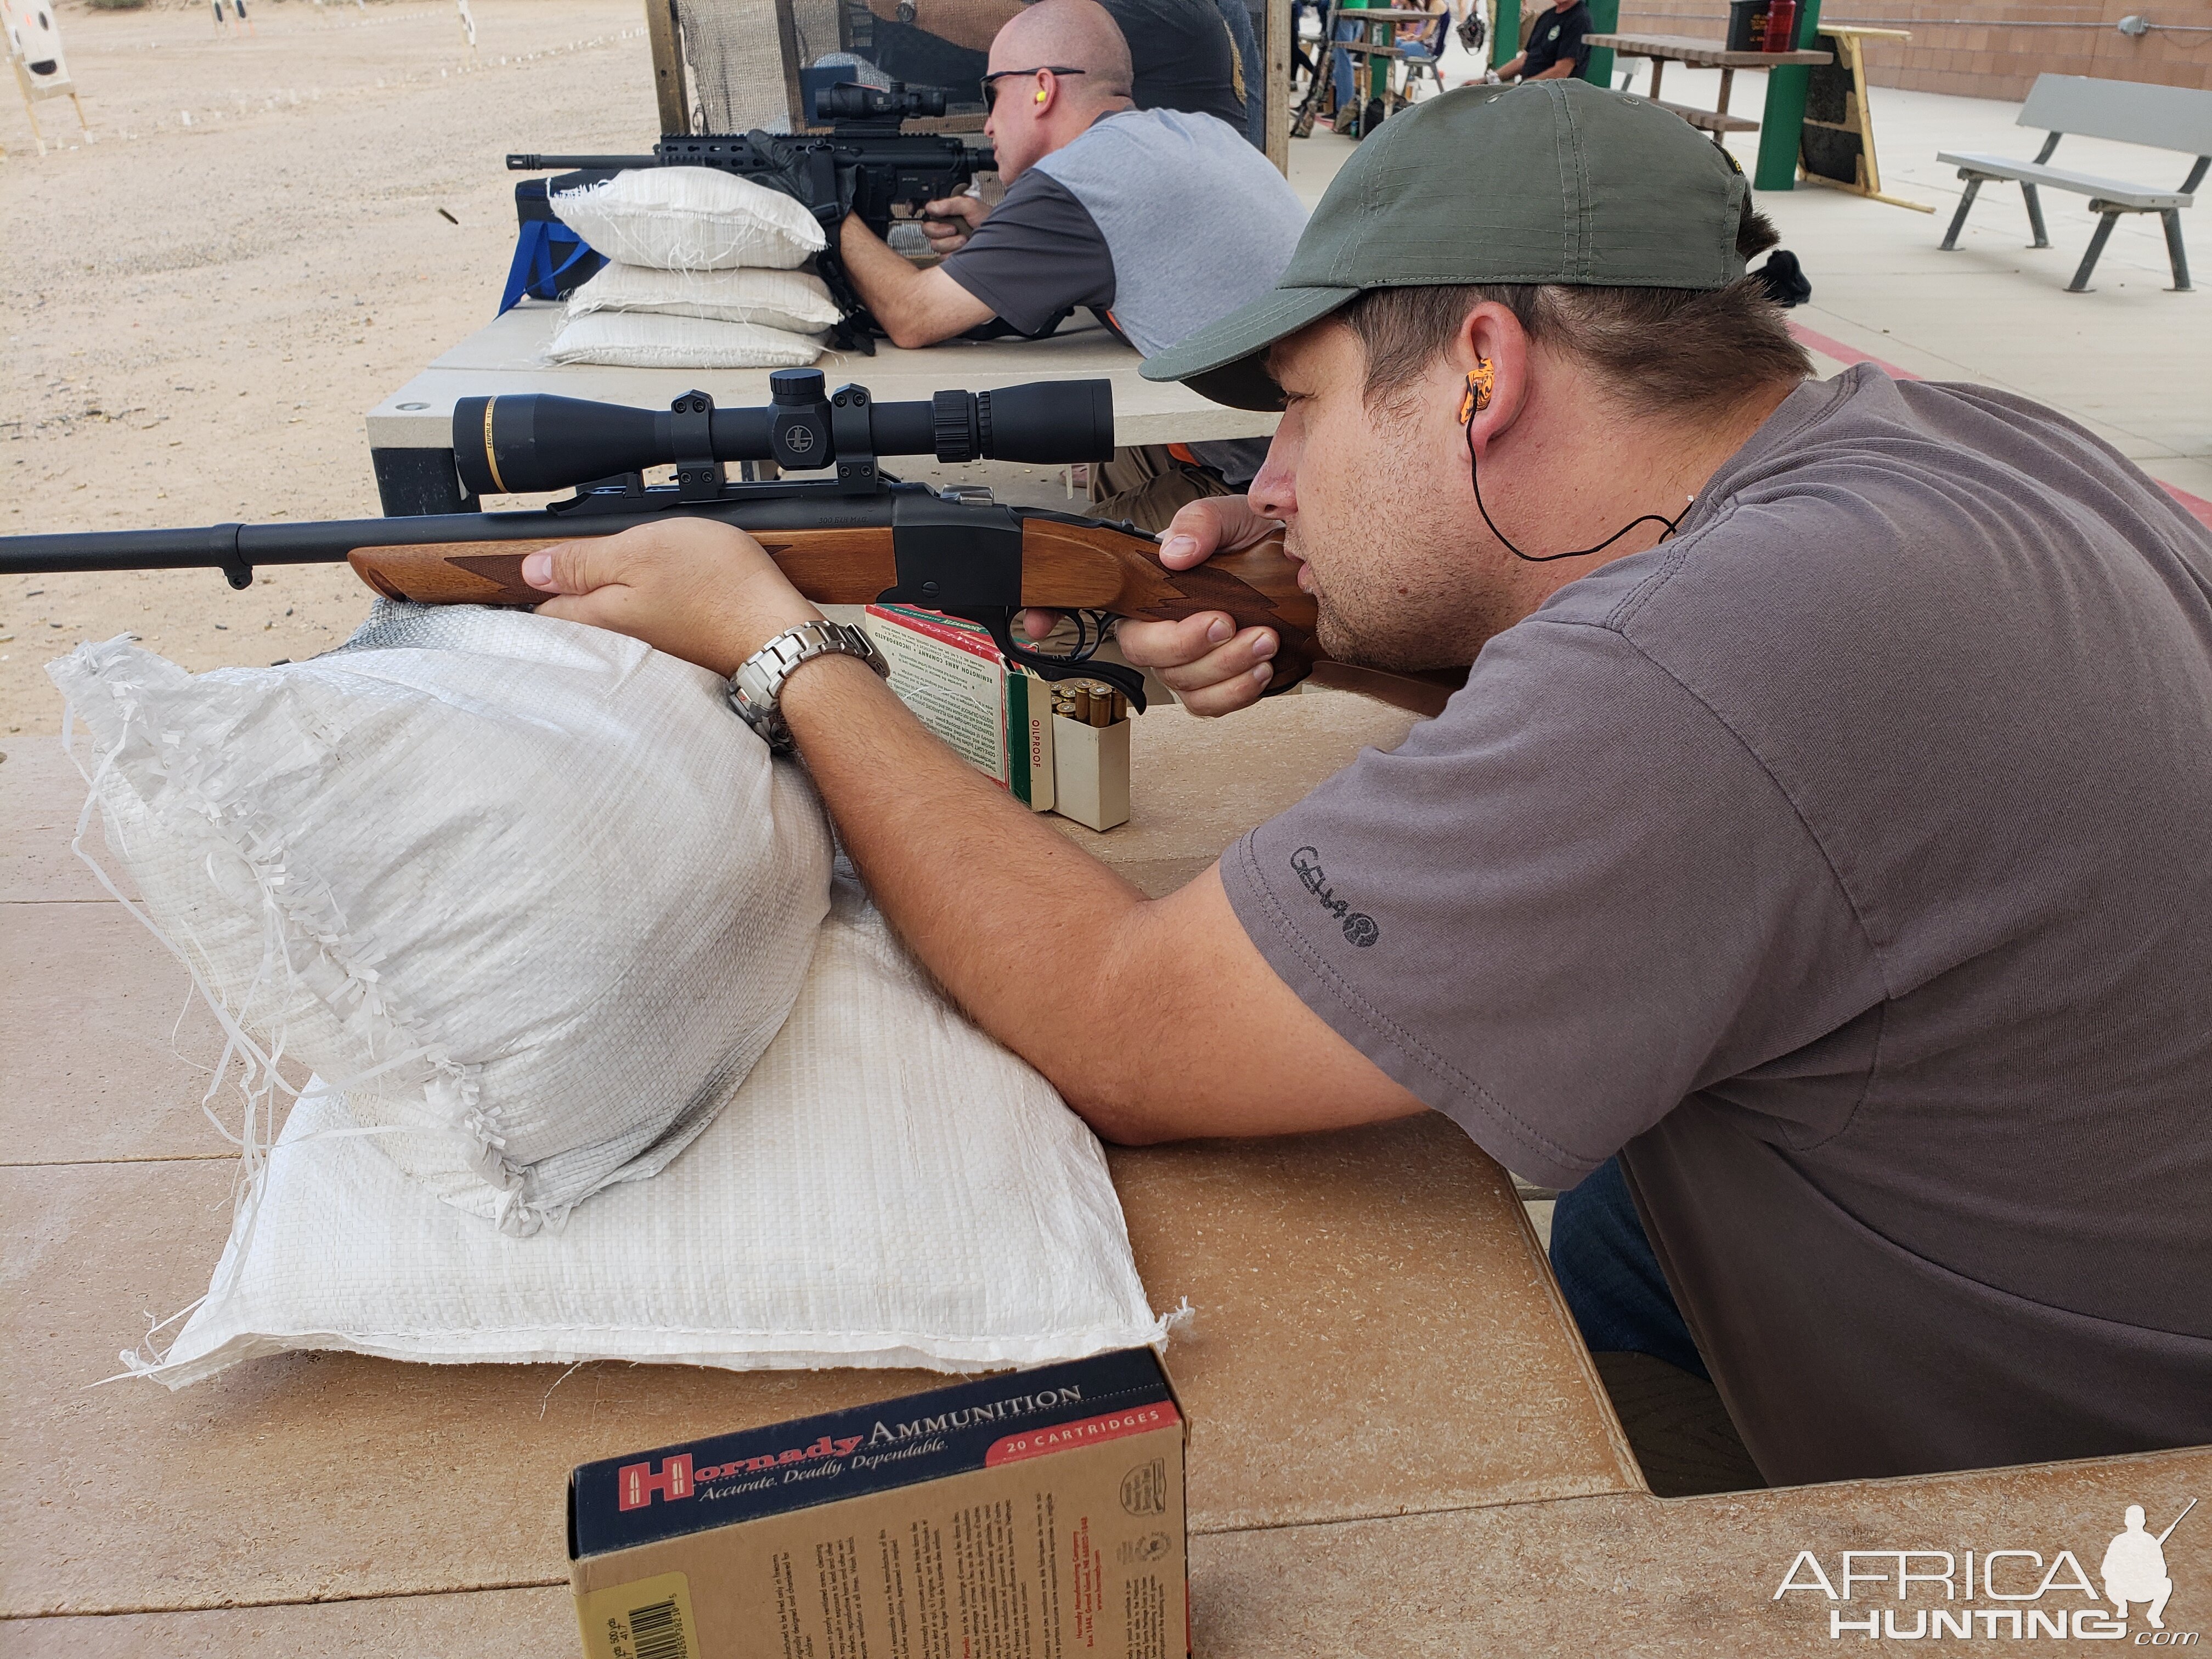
{"type": "Point", "coordinates": [1035, 1512]}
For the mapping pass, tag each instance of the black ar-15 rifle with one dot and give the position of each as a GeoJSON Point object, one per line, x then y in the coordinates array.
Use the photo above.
{"type": "Point", "coordinates": [865, 164]}
{"type": "Point", "coordinates": [854, 537]}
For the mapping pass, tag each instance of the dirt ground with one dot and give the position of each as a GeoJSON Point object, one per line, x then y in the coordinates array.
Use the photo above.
{"type": "Point", "coordinates": [199, 311]}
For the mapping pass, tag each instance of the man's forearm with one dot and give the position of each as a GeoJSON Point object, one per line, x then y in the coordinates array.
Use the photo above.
{"type": "Point", "coordinates": [970, 23]}
{"type": "Point", "coordinates": [985, 894]}
{"type": "Point", "coordinates": [915, 308]}
{"type": "Point", "coordinates": [1154, 1018]}
{"type": "Point", "coordinates": [1558, 71]}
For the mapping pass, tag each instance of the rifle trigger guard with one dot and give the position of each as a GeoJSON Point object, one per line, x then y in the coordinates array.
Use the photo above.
{"type": "Point", "coordinates": [998, 621]}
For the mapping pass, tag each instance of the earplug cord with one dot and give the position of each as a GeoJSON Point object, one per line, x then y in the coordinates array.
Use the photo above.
{"type": "Point", "coordinates": [1547, 558]}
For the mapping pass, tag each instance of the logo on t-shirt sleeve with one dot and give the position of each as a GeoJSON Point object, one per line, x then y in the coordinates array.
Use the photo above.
{"type": "Point", "coordinates": [1359, 928]}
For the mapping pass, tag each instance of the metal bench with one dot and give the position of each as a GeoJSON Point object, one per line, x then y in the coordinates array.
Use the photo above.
{"type": "Point", "coordinates": [2128, 111]}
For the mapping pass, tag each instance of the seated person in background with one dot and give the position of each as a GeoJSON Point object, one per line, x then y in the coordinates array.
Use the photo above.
{"type": "Point", "coordinates": [1181, 51]}
{"type": "Point", "coordinates": [1423, 43]}
{"type": "Point", "coordinates": [1556, 47]}
{"type": "Point", "coordinates": [1160, 221]}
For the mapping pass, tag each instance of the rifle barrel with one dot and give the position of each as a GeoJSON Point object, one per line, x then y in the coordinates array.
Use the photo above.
{"type": "Point", "coordinates": [578, 163]}
{"type": "Point", "coordinates": [236, 549]}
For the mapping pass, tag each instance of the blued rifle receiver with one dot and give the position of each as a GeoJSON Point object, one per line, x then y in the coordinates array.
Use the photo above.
{"type": "Point", "coordinates": [519, 444]}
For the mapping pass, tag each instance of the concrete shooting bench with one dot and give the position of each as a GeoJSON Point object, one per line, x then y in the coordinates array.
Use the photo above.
{"type": "Point", "coordinates": [410, 433]}
{"type": "Point", "coordinates": [1665, 49]}
{"type": "Point", "coordinates": [2178, 119]}
{"type": "Point", "coordinates": [1399, 1447]}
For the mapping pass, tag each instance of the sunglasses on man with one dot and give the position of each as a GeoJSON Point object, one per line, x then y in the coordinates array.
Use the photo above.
{"type": "Point", "coordinates": [991, 81]}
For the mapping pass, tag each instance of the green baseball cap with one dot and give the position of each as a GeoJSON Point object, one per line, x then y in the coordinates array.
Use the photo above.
{"type": "Point", "coordinates": [1552, 181]}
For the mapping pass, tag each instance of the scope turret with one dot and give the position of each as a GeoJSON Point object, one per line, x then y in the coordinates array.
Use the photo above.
{"type": "Point", "coordinates": [520, 444]}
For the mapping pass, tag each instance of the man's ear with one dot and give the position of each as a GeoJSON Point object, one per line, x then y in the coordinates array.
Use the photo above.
{"type": "Point", "coordinates": [1493, 348]}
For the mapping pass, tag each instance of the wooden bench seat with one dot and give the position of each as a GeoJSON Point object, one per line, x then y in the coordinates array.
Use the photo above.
{"type": "Point", "coordinates": [2161, 118]}
{"type": "Point", "coordinates": [1706, 120]}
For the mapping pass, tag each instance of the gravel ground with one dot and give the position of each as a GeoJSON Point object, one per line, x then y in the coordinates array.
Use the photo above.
{"type": "Point", "coordinates": [199, 311]}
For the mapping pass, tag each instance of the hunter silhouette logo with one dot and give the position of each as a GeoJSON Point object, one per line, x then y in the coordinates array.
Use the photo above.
{"type": "Point", "coordinates": [2134, 1566]}
{"type": "Point", "coordinates": [2012, 1593]}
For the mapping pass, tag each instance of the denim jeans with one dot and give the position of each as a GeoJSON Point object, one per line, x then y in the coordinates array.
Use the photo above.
{"type": "Point", "coordinates": [1610, 1277]}
{"type": "Point", "coordinates": [1345, 80]}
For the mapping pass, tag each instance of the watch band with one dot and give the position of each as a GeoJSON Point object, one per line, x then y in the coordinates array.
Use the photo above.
{"type": "Point", "coordinates": [756, 688]}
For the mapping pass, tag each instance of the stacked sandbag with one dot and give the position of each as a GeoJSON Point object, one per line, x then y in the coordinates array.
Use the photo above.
{"type": "Point", "coordinates": [524, 891]}
{"type": "Point", "coordinates": [702, 272]}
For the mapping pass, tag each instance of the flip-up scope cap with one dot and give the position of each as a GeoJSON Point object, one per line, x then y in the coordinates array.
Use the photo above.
{"type": "Point", "coordinates": [1555, 181]}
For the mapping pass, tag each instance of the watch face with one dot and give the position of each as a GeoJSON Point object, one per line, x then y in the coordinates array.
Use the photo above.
{"type": "Point", "coordinates": [906, 11]}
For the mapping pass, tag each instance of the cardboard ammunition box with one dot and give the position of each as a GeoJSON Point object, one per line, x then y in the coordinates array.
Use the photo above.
{"type": "Point", "coordinates": [1090, 771]}
{"type": "Point", "coordinates": [996, 717]}
{"type": "Point", "coordinates": [1039, 1512]}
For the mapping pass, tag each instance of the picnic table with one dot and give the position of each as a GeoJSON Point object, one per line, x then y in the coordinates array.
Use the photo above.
{"type": "Point", "coordinates": [1665, 49]}
{"type": "Point", "coordinates": [1399, 1445]}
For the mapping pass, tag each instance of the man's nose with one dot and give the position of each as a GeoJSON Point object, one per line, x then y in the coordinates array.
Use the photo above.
{"type": "Point", "coordinates": [1272, 491]}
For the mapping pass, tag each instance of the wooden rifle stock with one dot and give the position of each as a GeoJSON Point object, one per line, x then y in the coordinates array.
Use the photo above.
{"type": "Point", "coordinates": [1066, 566]}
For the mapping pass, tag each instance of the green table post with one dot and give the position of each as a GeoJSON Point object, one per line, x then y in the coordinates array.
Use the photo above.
{"type": "Point", "coordinates": [1505, 33]}
{"type": "Point", "coordinates": [1783, 122]}
{"type": "Point", "coordinates": [1605, 18]}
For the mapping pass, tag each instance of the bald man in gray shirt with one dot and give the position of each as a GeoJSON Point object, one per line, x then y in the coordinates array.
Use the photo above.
{"type": "Point", "coordinates": [1159, 221]}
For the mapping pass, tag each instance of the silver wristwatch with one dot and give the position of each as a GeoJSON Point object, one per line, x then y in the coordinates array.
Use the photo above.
{"type": "Point", "coordinates": [756, 688]}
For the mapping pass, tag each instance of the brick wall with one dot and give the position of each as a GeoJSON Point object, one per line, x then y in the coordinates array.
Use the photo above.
{"type": "Point", "coordinates": [1973, 51]}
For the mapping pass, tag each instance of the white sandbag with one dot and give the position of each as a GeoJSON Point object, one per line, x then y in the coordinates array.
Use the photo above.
{"type": "Point", "coordinates": [690, 219]}
{"type": "Point", "coordinates": [889, 1188]}
{"type": "Point", "coordinates": [640, 339]}
{"type": "Point", "coordinates": [797, 301]}
{"type": "Point", "coordinates": [525, 890]}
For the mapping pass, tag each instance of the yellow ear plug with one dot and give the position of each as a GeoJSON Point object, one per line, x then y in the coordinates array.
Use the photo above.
{"type": "Point", "coordinates": [1481, 380]}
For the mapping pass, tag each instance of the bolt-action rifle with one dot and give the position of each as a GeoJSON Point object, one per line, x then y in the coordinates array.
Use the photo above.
{"type": "Point", "coordinates": [855, 536]}
{"type": "Point", "coordinates": [866, 164]}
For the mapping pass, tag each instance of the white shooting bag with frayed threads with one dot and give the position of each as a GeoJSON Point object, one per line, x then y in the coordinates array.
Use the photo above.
{"type": "Point", "coordinates": [644, 339]}
{"type": "Point", "coordinates": [888, 1188]}
{"type": "Point", "coordinates": [526, 892]}
{"type": "Point", "coordinates": [795, 300]}
{"type": "Point", "coordinates": [690, 219]}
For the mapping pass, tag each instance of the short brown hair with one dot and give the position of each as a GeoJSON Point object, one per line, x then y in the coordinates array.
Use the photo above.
{"type": "Point", "coordinates": [1660, 351]}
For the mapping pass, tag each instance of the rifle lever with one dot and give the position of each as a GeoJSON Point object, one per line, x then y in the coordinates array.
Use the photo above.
{"type": "Point", "coordinates": [998, 622]}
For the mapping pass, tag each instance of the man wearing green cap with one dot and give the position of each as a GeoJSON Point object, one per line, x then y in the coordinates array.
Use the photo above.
{"type": "Point", "coordinates": [1811, 868]}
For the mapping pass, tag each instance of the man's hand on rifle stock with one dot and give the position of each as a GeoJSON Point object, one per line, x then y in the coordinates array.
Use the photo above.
{"type": "Point", "coordinates": [693, 587]}
{"type": "Point", "coordinates": [1212, 666]}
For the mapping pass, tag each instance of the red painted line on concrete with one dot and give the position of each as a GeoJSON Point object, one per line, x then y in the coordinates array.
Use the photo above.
{"type": "Point", "coordinates": [2195, 506]}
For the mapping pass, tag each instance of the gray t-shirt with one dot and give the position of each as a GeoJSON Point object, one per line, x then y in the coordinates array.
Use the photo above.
{"type": "Point", "coordinates": [1845, 863]}
{"type": "Point", "coordinates": [1093, 225]}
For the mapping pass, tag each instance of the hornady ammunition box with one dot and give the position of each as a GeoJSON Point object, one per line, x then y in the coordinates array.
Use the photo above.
{"type": "Point", "coordinates": [997, 719]}
{"type": "Point", "coordinates": [1039, 1512]}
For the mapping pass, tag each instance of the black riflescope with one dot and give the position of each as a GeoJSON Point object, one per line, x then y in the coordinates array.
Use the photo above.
{"type": "Point", "coordinates": [521, 444]}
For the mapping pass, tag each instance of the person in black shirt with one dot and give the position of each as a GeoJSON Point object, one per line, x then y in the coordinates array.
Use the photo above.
{"type": "Point", "coordinates": [1182, 50]}
{"type": "Point", "coordinates": [1556, 47]}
